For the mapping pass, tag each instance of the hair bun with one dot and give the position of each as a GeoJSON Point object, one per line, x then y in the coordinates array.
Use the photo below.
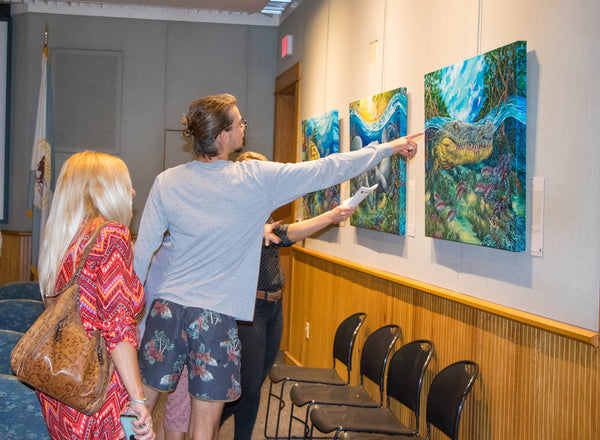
{"type": "Point", "coordinates": [185, 120]}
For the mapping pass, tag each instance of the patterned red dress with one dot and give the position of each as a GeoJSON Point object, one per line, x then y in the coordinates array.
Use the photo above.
{"type": "Point", "coordinates": [111, 297]}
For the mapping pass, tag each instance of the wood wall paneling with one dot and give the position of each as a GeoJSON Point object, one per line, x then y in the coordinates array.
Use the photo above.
{"type": "Point", "coordinates": [533, 384]}
{"type": "Point", "coordinates": [15, 258]}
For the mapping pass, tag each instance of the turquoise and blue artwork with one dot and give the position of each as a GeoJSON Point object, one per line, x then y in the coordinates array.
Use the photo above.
{"type": "Point", "coordinates": [320, 138]}
{"type": "Point", "coordinates": [475, 124]}
{"type": "Point", "coordinates": [379, 119]}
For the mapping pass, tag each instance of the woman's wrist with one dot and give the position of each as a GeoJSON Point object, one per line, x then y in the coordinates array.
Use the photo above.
{"type": "Point", "coordinates": [142, 401]}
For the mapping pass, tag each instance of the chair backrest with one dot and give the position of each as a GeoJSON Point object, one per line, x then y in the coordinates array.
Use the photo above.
{"type": "Point", "coordinates": [447, 395]}
{"type": "Point", "coordinates": [343, 342]}
{"type": "Point", "coordinates": [406, 372]}
{"type": "Point", "coordinates": [8, 340]}
{"type": "Point", "coordinates": [375, 354]}
{"type": "Point", "coordinates": [19, 314]}
{"type": "Point", "coordinates": [21, 290]}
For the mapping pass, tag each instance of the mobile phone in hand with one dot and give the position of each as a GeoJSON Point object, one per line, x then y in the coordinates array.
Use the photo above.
{"type": "Point", "coordinates": [126, 422]}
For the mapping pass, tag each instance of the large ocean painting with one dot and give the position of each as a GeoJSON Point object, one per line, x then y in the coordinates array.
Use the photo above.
{"type": "Point", "coordinates": [379, 119]}
{"type": "Point", "coordinates": [475, 123]}
{"type": "Point", "coordinates": [320, 138]}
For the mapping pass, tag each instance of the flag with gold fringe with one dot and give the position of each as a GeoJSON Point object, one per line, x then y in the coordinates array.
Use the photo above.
{"type": "Point", "coordinates": [41, 183]}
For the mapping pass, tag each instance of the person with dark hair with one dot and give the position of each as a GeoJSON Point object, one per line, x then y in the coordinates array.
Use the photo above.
{"type": "Point", "coordinates": [215, 211]}
{"type": "Point", "coordinates": [260, 338]}
{"type": "Point", "coordinates": [207, 118]}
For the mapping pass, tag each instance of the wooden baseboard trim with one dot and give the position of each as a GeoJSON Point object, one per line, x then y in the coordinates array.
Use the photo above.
{"type": "Point", "coordinates": [290, 360]}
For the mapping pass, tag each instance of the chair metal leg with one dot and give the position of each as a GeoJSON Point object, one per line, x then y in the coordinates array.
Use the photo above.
{"type": "Point", "coordinates": [279, 409]}
{"type": "Point", "coordinates": [291, 420]}
{"type": "Point", "coordinates": [306, 420]}
{"type": "Point", "coordinates": [307, 431]}
{"type": "Point", "coordinates": [304, 424]}
{"type": "Point", "coordinates": [280, 406]}
{"type": "Point", "coordinates": [308, 425]}
{"type": "Point", "coordinates": [268, 408]}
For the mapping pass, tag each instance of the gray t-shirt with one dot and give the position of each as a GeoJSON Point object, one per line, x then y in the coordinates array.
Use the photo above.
{"type": "Point", "coordinates": [215, 213]}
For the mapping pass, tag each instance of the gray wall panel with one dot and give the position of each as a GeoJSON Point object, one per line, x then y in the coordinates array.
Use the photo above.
{"type": "Point", "coordinates": [204, 59]}
{"type": "Point", "coordinates": [166, 65]}
{"type": "Point", "coordinates": [262, 50]}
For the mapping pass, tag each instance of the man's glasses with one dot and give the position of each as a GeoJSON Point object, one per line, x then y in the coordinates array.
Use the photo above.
{"type": "Point", "coordinates": [243, 124]}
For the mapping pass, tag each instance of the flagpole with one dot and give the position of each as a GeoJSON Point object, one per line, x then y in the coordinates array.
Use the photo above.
{"type": "Point", "coordinates": [40, 186]}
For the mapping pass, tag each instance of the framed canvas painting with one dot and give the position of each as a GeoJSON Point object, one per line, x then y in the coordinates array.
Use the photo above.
{"type": "Point", "coordinates": [475, 124]}
{"type": "Point", "coordinates": [379, 119]}
{"type": "Point", "coordinates": [320, 138]}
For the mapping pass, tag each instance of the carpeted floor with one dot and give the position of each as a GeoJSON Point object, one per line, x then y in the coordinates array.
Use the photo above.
{"type": "Point", "coordinates": [227, 429]}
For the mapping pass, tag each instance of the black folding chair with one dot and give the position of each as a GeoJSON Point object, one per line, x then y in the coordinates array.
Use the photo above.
{"type": "Point", "coordinates": [375, 354]}
{"type": "Point", "coordinates": [343, 346]}
{"type": "Point", "coordinates": [445, 402]}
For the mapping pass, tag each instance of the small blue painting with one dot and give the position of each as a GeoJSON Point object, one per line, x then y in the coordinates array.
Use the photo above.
{"type": "Point", "coordinates": [380, 118]}
{"type": "Point", "coordinates": [320, 138]}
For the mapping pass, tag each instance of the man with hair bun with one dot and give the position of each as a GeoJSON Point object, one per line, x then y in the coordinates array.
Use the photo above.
{"type": "Point", "coordinates": [215, 211]}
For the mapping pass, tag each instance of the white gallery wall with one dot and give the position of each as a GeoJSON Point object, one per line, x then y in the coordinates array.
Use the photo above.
{"type": "Point", "coordinates": [332, 40]}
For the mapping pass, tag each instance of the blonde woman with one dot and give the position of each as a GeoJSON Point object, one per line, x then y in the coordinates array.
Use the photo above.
{"type": "Point", "coordinates": [93, 188]}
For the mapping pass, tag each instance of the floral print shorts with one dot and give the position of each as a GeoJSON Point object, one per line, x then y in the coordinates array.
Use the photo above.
{"type": "Point", "coordinates": [206, 341]}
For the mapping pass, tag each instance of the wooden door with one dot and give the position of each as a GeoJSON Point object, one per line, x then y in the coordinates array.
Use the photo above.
{"type": "Point", "coordinates": [285, 149]}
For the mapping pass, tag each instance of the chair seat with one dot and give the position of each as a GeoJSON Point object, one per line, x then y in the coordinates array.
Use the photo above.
{"type": "Point", "coordinates": [328, 418]}
{"type": "Point", "coordinates": [303, 393]}
{"type": "Point", "coordinates": [19, 314]}
{"type": "Point", "coordinates": [20, 413]}
{"type": "Point", "coordinates": [281, 372]}
{"type": "Point", "coordinates": [8, 340]}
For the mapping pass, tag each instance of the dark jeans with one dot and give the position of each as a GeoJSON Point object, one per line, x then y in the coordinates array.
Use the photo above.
{"type": "Point", "coordinates": [260, 344]}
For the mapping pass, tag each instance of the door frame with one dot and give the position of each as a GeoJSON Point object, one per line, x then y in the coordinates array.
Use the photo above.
{"type": "Point", "coordinates": [285, 149]}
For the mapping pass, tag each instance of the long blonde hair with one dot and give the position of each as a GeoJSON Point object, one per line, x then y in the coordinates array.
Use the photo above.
{"type": "Point", "coordinates": [250, 155]}
{"type": "Point", "coordinates": [90, 185]}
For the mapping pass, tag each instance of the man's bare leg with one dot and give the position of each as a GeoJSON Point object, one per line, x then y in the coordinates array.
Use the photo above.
{"type": "Point", "coordinates": [205, 419]}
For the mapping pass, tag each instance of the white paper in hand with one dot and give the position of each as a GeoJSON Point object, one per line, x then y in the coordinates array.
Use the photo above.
{"type": "Point", "coordinates": [359, 196]}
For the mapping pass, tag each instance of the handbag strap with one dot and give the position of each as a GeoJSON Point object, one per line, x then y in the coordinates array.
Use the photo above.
{"type": "Point", "coordinates": [84, 255]}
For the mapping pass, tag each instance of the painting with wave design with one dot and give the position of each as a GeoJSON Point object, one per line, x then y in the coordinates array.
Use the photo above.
{"type": "Point", "coordinates": [475, 124]}
{"type": "Point", "coordinates": [320, 138]}
{"type": "Point", "coordinates": [379, 119]}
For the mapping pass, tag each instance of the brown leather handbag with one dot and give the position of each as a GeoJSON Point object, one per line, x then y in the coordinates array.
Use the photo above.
{"type": "Point", "coordinates": [57, 357]}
